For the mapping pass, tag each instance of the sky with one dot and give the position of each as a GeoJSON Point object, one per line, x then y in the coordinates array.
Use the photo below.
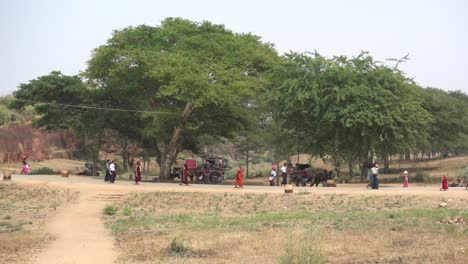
{"type": "Point", "coordinates": [40, 36]}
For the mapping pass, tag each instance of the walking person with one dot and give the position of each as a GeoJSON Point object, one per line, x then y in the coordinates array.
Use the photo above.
{"type": "Point", "coordinates": [25, 168]}
{"type": "Point", "coordinates": [239, 183]}
{"type": "Point", "coordinates": [444, 183]}
{"type": "Point", "coordinates": [272, 176]}
{"type": "Point", "coordinates": [405, 182]}
{"type": "Point", "coordinates": [108, 175]}
{"type": "Point", "coordinates": [112, 172]}
{"type": "Point", "coordinates": [138, 172]}
{"type": "Point", "coordinates": [374, 174]}
{"type": "Point", "coordinates": [184, 177]}
{"type": "Point", "coordinates": [284, 174]}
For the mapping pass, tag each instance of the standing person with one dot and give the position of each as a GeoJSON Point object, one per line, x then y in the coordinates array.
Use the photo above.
{"type": "Point", "coordinates": [184, 177]}
{"type": "Point", "coordinates": [284, 174]}
{"type": "Point", "coordinates": [374, 174]}
{"type": "Point", "coordinates": [405, 183]}
{"type": "Point", "coordinates": [108, 175]}
{"type": "Point", "coordinates": [444, 183]}
{"type": "Point", "coordinates": [325, 178]}
{"type": "Point", "coordinates": [25, 168]}
{"type": "Point", "coordinates": [239, 178]}
{"type": "Point", "coordinates": [272, 176]}
{"type": "Point", "coordinates": [138, 172]}
{"type": "Point", "coordinates": [112, 172]}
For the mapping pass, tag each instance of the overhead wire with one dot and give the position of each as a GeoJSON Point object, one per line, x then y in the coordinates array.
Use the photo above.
{"type": "Point", "coordinates": [101, 108]}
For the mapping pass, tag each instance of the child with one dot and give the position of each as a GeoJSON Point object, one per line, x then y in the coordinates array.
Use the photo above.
{"type": "Point", "coordinates": [272, 176]}
{"type": "Point", "coordinates": [444, 183]}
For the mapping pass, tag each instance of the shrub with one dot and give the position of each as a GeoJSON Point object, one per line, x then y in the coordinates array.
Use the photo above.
{"type": "Point", "coordinates": [421, 177]}
{"type": "Point", "coordinates": [463, 172]}
{"type": "Point", "coordinates": [110, 210]}
{"type": "Point", "coordinates": [179, 246]}
{"type": "Point", "coordinates": [44, 170]}
{"type": "Point", "coordinates": [127, 211]}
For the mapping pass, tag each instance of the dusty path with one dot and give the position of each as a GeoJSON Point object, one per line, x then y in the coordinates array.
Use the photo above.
{"type": "Point", "coordinates": [80, 234]}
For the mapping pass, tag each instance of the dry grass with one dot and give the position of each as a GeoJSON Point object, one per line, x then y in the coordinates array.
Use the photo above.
{"type": "Point", "coordinates": [302, 228]}
{"type": "Point", "coordinates": [23, 212]}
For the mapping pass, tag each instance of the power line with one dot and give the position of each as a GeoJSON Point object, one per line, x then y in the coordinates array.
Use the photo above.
{"type": "Point", "coordinates": [101, 108]}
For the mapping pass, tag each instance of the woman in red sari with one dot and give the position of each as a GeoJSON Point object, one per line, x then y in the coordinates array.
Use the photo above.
{"type": "Point", "coordinates": [239, 178]}
{"type": "Point", "coordinates": [138, 172]}
{"type": "Point", "coordinates": [444, 183]}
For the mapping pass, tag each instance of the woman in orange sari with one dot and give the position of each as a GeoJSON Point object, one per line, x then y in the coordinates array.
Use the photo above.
{"type": "Point", "coordinates": [239, 178]}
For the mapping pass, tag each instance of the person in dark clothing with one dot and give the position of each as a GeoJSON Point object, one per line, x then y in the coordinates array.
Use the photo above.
{"type": "Point", "coordinates": [108, 175]}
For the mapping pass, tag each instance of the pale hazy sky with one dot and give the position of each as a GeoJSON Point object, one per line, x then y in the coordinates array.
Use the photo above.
{"type": "Point", "coordinates": [39, 36]}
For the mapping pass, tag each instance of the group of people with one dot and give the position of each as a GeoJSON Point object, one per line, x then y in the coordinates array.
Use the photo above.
{"type": "Point", "coordinates": [284, 175]}
{"type": "Point", "coordinates": [111, 172]}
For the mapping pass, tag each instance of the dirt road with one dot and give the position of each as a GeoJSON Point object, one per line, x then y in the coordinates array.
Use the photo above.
{"type": "Point", "coordinates": [79, 232]}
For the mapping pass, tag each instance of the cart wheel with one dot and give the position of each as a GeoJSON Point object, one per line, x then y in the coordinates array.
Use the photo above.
{"type": "Point", "coordinates": [215, 177]}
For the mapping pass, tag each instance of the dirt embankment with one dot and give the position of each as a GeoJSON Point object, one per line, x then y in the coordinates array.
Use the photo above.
{"type": "Point", "coordinates": [19, 140]}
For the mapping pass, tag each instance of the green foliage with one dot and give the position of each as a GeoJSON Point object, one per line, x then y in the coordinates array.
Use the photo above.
{"type": "Point", "coordinates": [422, 177]}
{"type": "Point", "coordinates": [8, 115]}
{"type": "Point", "coordinates": [44, 171]}
{"type": "Point", "coordinates": [199, 77]}
{"type": "Point", "coordinates": [110, 210]}
{"type": "Point", "coordinates": [127, 211]}
{"type": "Point", "coordinates": [463, 172]}
{"type": "Point", "coordinates": [346, 108]}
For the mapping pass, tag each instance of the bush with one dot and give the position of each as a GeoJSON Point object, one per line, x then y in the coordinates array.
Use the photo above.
{"type": "Point", "coordinates": [127, 211]}
{"type": "Point", "coordinates": [179, 246]}
{"type": "Point", "coordinates": [463, 172]}
{"type": "Point", "coordinates": [421, 177]}
{"type": "Point", "coordinates": [44, 170]}
{"type": "Point", "coordinates": [110, 210]}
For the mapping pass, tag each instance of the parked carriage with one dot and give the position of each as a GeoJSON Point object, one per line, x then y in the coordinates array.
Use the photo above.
{"type": "Point", "coordinates": [211, 170]}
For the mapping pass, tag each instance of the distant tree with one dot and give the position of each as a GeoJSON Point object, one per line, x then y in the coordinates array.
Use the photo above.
{"type": "Point", "coordinates": [449, 128]}
{"type": "Point", "coordinates": [55, 97]}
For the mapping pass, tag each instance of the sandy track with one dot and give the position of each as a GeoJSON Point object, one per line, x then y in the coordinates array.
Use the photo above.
{"type": "Point", "coordinates": [80, 234]}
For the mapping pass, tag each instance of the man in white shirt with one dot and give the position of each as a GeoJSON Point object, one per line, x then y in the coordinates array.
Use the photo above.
{"type": "Point", "coordinates": [374, 179]}
{"type": "Point", "coordinates": [284, 174]}
{"type": "Point", "coordinates": [112, 171]}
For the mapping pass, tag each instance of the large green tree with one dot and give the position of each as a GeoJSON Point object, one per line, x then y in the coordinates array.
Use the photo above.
{"type": "Point", "coordinates": [347, 108]}
{"type": "Point", "coordinates": [200, 73]}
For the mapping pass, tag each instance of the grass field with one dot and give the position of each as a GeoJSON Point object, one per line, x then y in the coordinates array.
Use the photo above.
{"type": "Point", "coordinates": [23, 212]}
{"type": "Point", "coordinates": [280, 228]}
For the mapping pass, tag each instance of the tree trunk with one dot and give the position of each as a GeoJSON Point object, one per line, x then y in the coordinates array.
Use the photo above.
{"type": "Point", "coordinates": [246, 163]}
{"type": "Point", "coordinates": [386, 164]}
{"type": "Point", "coordinates": [350, 168]}
{"type": "Point", "coordinates": [171, 150]}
